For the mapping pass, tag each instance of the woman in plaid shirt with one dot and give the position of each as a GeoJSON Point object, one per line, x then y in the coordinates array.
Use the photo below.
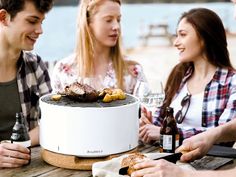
{"type": "Point", "coordinates": [23, 75]}
{"type": "Point", "coordinates": [202, 87]}
{"type": "Point", "coordinates": [196, 146]}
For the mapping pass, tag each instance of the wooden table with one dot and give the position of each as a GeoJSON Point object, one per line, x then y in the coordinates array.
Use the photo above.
{"type": "Point", "coordinates": [40, 168]}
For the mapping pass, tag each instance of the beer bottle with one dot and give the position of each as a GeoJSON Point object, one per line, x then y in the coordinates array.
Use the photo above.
{"type": "Point", "coordinates": [169, 134]}
{"type": "Point", "coordinates": [20, 134]}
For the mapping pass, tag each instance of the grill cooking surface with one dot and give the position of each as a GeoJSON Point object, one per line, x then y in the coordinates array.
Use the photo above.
{"type": "Point", "coordinates": [65, 101]}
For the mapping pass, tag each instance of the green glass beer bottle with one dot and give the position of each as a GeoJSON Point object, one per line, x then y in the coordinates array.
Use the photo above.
{"type": "Point", "coordinates": [20, 134]}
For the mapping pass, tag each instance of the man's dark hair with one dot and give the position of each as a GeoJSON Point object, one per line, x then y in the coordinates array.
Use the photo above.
{"type": "Point", "coordinates": [15, 6]}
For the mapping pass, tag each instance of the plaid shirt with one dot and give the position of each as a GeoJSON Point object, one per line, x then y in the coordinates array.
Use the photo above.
{"type": "Point", "coordinates": [33, 81]}
{"type": "Point", "coordinates": [219, 101]}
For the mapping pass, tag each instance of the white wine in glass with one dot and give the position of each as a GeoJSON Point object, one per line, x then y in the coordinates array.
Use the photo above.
{"type": "Point", "coordinates": [153, 99]}
{"type": "Point", "coordinates": [141, 89]}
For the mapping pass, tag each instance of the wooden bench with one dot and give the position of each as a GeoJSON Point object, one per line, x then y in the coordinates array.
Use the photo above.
{"type": "Point", "coordinates": [156, 31]}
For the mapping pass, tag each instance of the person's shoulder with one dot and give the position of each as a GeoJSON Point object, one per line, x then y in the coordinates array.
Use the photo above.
{"type": "Point", "coordinates": [67, 60]}
{"type": "Point", "coordinates": [33, 60]}
{"type": "Point", "coordinates": [229, 72]}
{"type": "Point", "coordinates": [33, 64]}
{"type": "Point", "coordinates": [232, 71]}
{"type": "Point", "coordinates": [134, 68]}
{"type": "Point", "coordinates": [30, 56]}
{"type": "Point", "coordinates": [228, 75]}
{"type": "Point", "coordinates": [129, 61]}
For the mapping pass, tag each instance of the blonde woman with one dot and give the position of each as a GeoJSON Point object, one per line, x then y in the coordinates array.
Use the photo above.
{"type": "Point", "coordinates": [98, 58]}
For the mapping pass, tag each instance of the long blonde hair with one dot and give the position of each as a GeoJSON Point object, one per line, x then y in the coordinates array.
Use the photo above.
{"type": "Point", "coordinates": [85, 44]}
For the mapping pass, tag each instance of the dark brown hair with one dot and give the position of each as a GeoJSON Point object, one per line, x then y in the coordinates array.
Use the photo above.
{"type": "Point", "coordinates": [15, 6]}
{"type": "Point", "coordinates": [210, 30]}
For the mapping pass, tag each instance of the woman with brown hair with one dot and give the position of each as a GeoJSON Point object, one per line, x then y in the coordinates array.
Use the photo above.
{"type": "Point", "coordinates": [98, 59]}
{"type": "Point", "coordinates": [202, 87]}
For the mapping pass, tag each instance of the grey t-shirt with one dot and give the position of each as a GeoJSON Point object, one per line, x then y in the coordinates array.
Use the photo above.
{"type": "Point", "coordinates": [9, 105]}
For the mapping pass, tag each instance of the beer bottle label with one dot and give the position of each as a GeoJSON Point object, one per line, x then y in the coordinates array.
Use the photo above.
{"type": "Point", "coordinates": [161, 143]}
{"type": "Point", "coordinates": [23, 143]}
{"type": "Point", "coordinates": [167, 142]}
{"type": "Point", "coordinates": [176, 140]}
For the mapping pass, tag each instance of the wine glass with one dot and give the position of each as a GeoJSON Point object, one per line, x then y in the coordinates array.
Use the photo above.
{"type": "Point", "coordinates": [159, 95]}
{"type": "Point", "coordinates": [141, 89]}
{"type": "Point", "coordinates": [150, 100]}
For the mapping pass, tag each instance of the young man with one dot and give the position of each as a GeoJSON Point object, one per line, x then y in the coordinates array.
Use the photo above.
{"type": "Point", "coordinates": [23, 75]}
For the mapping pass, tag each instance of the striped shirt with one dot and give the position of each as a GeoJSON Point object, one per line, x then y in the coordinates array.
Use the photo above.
{"type": "Point", "coordinates": [219, 101]}
{"type": "Point", "coordinates": [33, 81]}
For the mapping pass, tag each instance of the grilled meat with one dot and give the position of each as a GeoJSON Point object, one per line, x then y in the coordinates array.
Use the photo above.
{"type": "Point", "coordinates": [81, 92]}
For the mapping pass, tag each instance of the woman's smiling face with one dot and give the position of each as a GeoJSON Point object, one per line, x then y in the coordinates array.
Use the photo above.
{"type": "Point", "coordinates": [187, 42]}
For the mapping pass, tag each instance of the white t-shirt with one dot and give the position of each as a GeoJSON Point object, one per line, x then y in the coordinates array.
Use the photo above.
{"type": "Point", "coordinates": [193, 117]}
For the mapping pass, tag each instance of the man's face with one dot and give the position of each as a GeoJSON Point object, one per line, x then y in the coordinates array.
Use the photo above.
{"type": "Point", "coordinates": [24, 29]}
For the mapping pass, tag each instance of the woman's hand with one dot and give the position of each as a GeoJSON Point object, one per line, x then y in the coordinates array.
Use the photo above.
{"type": "Point", "coordinates": [146, 117]}
{"type": "Point", "coordinates": [13, 155]}
{"type": "Point", "coordinates": [147, 131]}
{"type": "Point", "coordinates": [197, 146]}
{"type": "Point", "coordinates": [158, 168]}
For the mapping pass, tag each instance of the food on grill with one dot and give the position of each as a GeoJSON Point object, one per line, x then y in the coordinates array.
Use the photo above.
{"type": "Point", "coordinates": [56, 97]}
{"type": "Point", "coordinates": [85, 93]}
{"type": "Point", "coordinates": [107, 98]}
{"type": "Point", "coordinates": [131, 160]}
{"type": "Point", "coordinates": [81, 92]}
{"type": "Point", "coordinates": [104, 92]}
{"type": "Point", "coordinates": [109, 95]}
